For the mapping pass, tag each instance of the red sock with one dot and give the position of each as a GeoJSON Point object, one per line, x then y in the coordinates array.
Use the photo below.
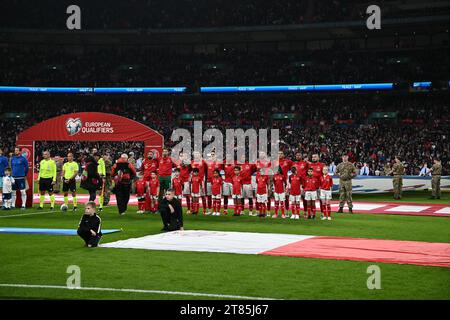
{"type": "Point", "coordinates": [277, 204]}
{"type": "Point", "coordinates": [313, 208]}
{"type": "Point", "coordinates": [263, 205]}
{"type": "Point", "coordinates": [147, 203]}
{"type": "Point", "coordinates": [297, 208]}
{"type": "Point", "coordinates": [282, 205]}
{"type": "Point", "coordinates": [209, 198]}
{"type": "Point", "coordinates": [258, 207]}
{"type": "Point", "coordinates": [305, 205]}
{"type": "Point", "coordinates": [218, 205]}
{"type": "Point", "coordinates": [329, 209]}
{"type": "Point", "coordinates": [197, 206]}
{"type": "Point", "coordinates": [293, 208]}
{"type": "Point", "coordinates": [188, 202]}
{"type": "Point", "coordinates": [204, 203]}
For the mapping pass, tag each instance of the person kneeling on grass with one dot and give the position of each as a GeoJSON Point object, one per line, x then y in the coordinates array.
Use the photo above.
{"type": "Point", "coordinates": [89, 228]}
{"type": "Point", "coordinates": [171, 212]}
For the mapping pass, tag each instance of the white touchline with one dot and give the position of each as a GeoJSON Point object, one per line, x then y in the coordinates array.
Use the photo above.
{"type": "Point", "coordinates": [26, 214]}
{"type": "Point", "coordinates": [213, 295]}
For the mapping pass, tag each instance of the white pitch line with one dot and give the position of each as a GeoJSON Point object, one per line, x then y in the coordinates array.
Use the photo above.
{"type": "Point", "coordinates": [199, 294]}
{"type": "Point", "coordinates": [25, 214]}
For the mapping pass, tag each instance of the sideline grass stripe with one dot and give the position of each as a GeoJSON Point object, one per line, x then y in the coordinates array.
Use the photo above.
{"type": "Point", "coordinates": [26, 214]}
{"type": "Point", "coordinates": [178, 293]}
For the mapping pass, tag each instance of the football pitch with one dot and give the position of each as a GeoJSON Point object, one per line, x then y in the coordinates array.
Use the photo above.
{"type": "Point", "coordinates": [35, 266]}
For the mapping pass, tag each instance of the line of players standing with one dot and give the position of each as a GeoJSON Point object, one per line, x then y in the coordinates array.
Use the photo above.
{"type": "Point", "coordinates": [201, 180]}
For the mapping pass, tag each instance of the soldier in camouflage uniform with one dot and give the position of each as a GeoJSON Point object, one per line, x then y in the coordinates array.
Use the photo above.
{"type": "Point", "coordinates": [108, 179]}
{"type": "Point", "coordinates": [436, 172]}
{"type": "Point", "coordinates": [398, 170]}
{"type": "Point", "coordinates": [387, 169]}
{"type": "Point", "coordinates": [346, 172]}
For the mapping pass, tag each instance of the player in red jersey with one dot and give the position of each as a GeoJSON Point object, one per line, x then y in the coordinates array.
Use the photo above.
{"type": "Point", "coordinates": [317, 167]}
{"type": "Point", "coordinates": [165, 166]}
{"type": "Point", "coordinates": [279, 185]}
{"type": "Point", "coordinates": [149, 165]}
{"type": "Point", "coordinates": [216, 192]}
{"type": "Point", "coordinates": [227, 189]}
{"type": "Point", "coordinates": [264, 163]}
{"type": "Point", "coordinates": [326, 186]}
{"type": "Point", "coordinates": [310, 186]}
{"type": "Point", "coordinates": [177, 184]}
{"type": "Point", "coordinates": [237, 191]}
{"type": "Point", "coordinates": [285, 165]}
{"type": "Point", "coordinates": [247, 171]}
{"type": "Point", "coordinates": [211, 164]}
{"type": "Point", "coordinates": [184, 165]}
{"type": "Point", "coordinates": [295, 181]}
{"type": "Point", "coordinates": [196, 190]}
{"type": "Point", "coordinates": [141, 190]}
{"type": "Point", "coordinates": [262, 183]}
{"type": "Point", "coordinates": [200, 164]}
{"type": "Point", "coordinates": [302, 165]}
{"type": "Point", "coordinates": [153, 192]}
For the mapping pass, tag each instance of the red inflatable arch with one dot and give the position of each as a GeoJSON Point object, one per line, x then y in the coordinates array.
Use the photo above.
{"type": "Point", "coordinates": [84, 126]}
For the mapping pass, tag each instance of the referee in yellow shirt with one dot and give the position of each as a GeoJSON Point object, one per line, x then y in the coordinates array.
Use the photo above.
{"type": "Point", "coordinates": [69, 172]}
{"type": "Point", "coordinates": [47, 178]}
{"type": "Point", "coordinates": [101, 169]}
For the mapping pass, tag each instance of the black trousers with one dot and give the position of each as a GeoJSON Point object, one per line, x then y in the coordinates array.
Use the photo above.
{"type": "Point", "coordinates": [88, 238]}
{"type": "Point", "coordinates": [165, 216]}
{"type": "Point", "coordinates": [122, 196]}
{"type": "Point", "coordinates": [92, 195]}
{"type": "Point", "coordinates": [170, 223]}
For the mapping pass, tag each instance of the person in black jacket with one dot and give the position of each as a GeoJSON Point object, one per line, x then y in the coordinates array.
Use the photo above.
{"type": "Point", "coordinates": [91, 180]}
{"type": "Point", "coordinates": [124, 174]}
{"type": "Point", "coordinates": [171, 212]}
{"type": "Point", "coordinates": [90, 226]}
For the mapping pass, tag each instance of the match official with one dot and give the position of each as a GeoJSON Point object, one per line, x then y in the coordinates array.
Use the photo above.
{"type": "Point", "coordinates": [69, 172]}
{"type": "Point", "coordinates": [47, 179]}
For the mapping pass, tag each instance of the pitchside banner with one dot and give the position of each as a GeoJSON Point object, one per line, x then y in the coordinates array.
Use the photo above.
{"type": "Point", "coordinates": [371, 184]}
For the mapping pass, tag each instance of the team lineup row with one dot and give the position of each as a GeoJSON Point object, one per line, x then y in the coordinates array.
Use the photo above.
{"type": "Point", "coordinates": [285, 181]}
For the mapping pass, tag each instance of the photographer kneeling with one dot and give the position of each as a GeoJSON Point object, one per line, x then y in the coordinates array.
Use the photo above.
{"type": "Point", "coordinates": [89, 228]}
{"type": "Point", "coordinates": [171, 212]}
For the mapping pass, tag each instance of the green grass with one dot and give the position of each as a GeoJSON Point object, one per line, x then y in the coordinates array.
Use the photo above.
{"type": "Point", "coordinates": [43, 260]}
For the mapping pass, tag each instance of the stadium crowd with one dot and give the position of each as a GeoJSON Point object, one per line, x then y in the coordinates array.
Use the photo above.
{"type": "Point", "coordinates": [320, 124]}
{"type": "Point", "coordinates": [144, 66]}
{"type": "Point", "coordinates": [167, 14]}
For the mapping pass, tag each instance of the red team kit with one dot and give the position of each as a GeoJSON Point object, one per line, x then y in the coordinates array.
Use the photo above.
{"type": "Point", "coordinates": [287, 184]}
